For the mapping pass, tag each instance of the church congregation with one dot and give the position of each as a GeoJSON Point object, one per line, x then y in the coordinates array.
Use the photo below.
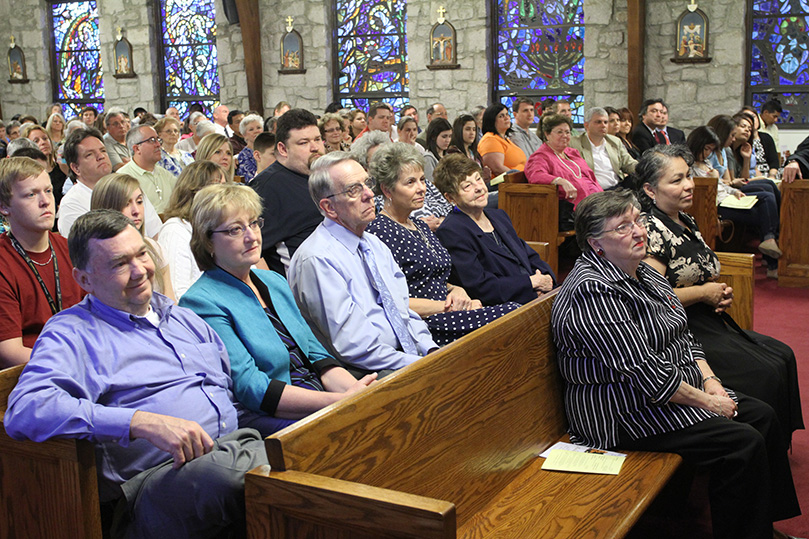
{"type": "Point", "coordinates": [182, 283]}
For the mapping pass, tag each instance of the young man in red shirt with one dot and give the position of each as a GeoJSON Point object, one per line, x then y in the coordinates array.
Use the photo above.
{"type": "Point", "coordinates": [36, 281]}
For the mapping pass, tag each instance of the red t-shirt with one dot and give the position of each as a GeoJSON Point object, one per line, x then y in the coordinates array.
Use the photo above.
{"type": "Point", "coordinates": [24, 309]}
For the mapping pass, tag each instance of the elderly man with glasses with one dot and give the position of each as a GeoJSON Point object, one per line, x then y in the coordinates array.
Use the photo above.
{"type": "Point", "coordinates": [347, 284]}
{"type": "Point", "coordinates": [156, 182]}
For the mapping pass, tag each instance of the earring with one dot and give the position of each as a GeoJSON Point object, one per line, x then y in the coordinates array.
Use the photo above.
{"type": "Point", "coordinates": [600, 251]}
{"type": "Point", "coordinates": [654, 201]}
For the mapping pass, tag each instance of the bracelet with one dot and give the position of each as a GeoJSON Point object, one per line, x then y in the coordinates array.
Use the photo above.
{"type": "Point", "coordinates": [712, 377]}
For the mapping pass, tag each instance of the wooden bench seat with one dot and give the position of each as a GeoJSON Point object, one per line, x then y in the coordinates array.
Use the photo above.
{"type": "Point", "coordinates": [447, 447]}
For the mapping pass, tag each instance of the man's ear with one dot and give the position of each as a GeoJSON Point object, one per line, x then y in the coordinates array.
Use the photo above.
{"type": "Point", "coordinates": [327, 206]}
{"type": "Point", "coordinates": [281, 148]}
{"type": "Point", "coordinates": [82, 278]}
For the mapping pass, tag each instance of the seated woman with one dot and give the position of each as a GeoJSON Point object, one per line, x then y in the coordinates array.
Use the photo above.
{"type": "Point", "coordinates": [250, 127]}
{"type": "Point", "coordinates": [217, 149]}
{"type": "Point", "coordinates": [40, 137]}
{"type": "Point", "coordinates": [175, 235]}
{"type": "Point", "coordinates": [408, 130]}
{"type": "Point", "coordinates": [438, 137]}
{"type": "Point", "coordinates": [703, 142]}
{"type": "Point", "coordinates": [333, 133]}
{"type": "Point", "coordinates": [764, 158]}
{"type": "Point", "coordinates": [627, 124]}
{"type": "Point", "coordinates": [277, 364]}
{"type": "Point", "coordinates": [121, 192]}
{"type": "Point", "coordinates": [488, 258]}
{"type": "Point", "coordinates": [557, 164]}
{"type": "Point", "coordinates": [496, 150]}
{"type": "Point", "coordinates": [755, 364]}
{"type": "Point", "coordinates": [55, 127]}
{"type": "Point", "coordinates": [448, 310]}
{"type": "Point", "coordinates": [356, 123]}
{"type": "Point", "coordinates": [465, 140]}
{"type": "Point", "coordinates": [172, 159]}
{"type": "Point", "coordinates": [636, 379]}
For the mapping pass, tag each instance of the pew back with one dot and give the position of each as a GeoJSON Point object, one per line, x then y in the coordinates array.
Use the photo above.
{"type": "Point", "coordinates": [793, 266]}
{"type": "Point", "coordinates": [703, 209]}
{"type": "Point", "coordinates": [47, 489]}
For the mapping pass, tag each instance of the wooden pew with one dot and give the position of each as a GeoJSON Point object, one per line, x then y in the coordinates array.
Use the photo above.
{"type": "Point", "coordinates": [534, 212]}
{"type": "Point", "coordinates": [447, 447]}
{"type": "Point", "coordinates": [738, 273]}
{"type": "Point", "coordinates": [704, 211]}
{"type": "Point", "coordinates": [793, 266]}
{"type": "Point", "coordinates": [48, 489]}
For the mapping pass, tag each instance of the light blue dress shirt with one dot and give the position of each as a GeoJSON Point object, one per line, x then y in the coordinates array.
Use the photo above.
{"type": "Point", "coordinates": [334, 291]}
{"type": "Point", "coordinates": [93, 367]}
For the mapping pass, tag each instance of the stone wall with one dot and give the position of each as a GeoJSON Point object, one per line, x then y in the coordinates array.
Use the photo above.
{"type": "Point", "coordinates": [232, 77]}
{"type": "Point", "coordinates": [27, 22]}
{"type": "Point", "coordinates": [458, 89]}
{"type": "Point", "coordinates": [696, 92]}
{"type": "Point", "coordinates": [605, 67]}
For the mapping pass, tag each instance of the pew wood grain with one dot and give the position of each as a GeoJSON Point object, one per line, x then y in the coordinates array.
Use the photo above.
{"type": "Point", "coordinates": [793, 266]}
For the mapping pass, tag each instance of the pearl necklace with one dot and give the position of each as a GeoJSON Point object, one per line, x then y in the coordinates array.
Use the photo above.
{"type": "Point", "coordinates": [575, 175]}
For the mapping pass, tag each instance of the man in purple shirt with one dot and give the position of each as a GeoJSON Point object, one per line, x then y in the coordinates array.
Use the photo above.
{"type": "Point", "coordinates": [147, 382]}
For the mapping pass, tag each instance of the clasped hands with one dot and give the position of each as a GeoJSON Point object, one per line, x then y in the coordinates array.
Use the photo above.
{"type": "Point", "coordinates": [720, 401]}
{"type": "Point", "coordinates": [459, 300]}
{"type": "Point", "coordinates": [719, 296]}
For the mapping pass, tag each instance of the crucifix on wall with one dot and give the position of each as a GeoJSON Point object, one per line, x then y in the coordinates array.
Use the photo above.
{"type": "Point", "coordinates": [443, 46]}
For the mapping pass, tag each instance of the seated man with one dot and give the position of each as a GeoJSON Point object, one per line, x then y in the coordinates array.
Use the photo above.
{"type": "Point", "coordinates": [33, 260]}
{"type": "Point", "coordinates": [605, 154]}
{"type": "Point", "coordinates": [347, 284]}
{"type": "Point", "coordinates": [156, 182]}
{"type": "Point", "coordinates": [654, 126]}
{"type": "Point", "coordinates": [149, 383]}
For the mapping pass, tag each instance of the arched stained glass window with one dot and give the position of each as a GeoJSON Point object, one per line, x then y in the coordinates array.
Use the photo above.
{"type": "Point", "coordinates": [539, 51]}
{"type": "Point", "coordinates": [778, 49]}
{"type": "Point", "coordinates": [76, 59]}
{"type": "Point", "coordinates": [370, 53]}
{"type": "Point", "coordinates": [189, 54]}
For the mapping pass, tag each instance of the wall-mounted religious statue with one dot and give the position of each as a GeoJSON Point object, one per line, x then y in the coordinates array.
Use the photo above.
{"type": "Point", "coordinates": [291, 51]}
{"type": "Point", "coordinates": [123, 57]}
{"type": "Point", "coordinates": [17, 73]}
{"type": "Point", "coordinates": [443, 46]}
{"type": "Point", "coordinates": [691, 46]}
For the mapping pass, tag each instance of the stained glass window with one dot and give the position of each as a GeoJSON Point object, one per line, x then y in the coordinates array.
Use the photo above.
{"type": "Point", "coordinates": [540, 51]}
{"type": "Point", "coordinates": [77, 70]}
{"type": "Point", "coordinates": [189, 54]}
{"type": "Point", "coordinates": [370, 53]}
{"type": "Point", "coordinates": [778, 49]}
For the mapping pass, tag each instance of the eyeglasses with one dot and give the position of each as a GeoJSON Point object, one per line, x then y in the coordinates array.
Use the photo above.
{"type": "Point", "coordinates": [355, 189]}
{"type": "Point", "coordinates": [562, 133]}
{"type": "Point", "coordinates": [332, 130]}
{"type": "Point", "coordinates": [150, 140]}
{"type": "Point", "coordinates": [626, 228]}
{"type": "Point", "coordinates": [237, 231]}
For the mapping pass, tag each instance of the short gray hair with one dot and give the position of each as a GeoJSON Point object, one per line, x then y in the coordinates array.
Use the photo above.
{"type": "Point", "coordinates": [112, 114]}
{"type": "Point", "coordinates": [247, 120]}
{"type": "Point", "coordinates": [595, 111]}
{"type": "Point", "coordinates": [18, 144]}
{"type": "Point", "coordinates": [320, 181]}
{"type": "Point", "coordinates": [205, 127]}
{"type": "Point", "coordinates": [388, 162]}
{"type": "Point", "coordinates": [134, 136]}
{"type": "Point", "coordinates": [93, 225]}
{"type": "Point", "coordinates": [194, 115]}
{"type": "Point", "coordinates": [371, 139]}
{"type": "Point", "coordinates": [592, 213]}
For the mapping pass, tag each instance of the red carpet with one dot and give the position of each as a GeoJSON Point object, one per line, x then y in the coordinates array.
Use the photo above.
{"type": "Point", "coordinates": [783, 313]}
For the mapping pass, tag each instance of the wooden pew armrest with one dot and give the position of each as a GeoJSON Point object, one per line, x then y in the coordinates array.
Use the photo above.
{"type": "Point", "coordinates": [303, 497]}
{"type": "Point", "coordinates": [737, 271]}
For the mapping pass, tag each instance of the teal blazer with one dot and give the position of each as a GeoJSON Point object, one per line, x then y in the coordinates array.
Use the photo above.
{"type": "Point", "coordinates": [259, 359]}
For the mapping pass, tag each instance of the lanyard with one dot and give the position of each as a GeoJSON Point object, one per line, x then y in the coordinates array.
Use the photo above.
{"type": "Point", "coordinates": [56, 306]}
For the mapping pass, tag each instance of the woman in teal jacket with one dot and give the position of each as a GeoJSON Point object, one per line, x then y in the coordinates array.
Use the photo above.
{"type": "Point", "coordinates": [278, 366]}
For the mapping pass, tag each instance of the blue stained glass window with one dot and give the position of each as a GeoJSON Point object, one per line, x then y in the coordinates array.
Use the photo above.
{"type": "Point", "coordinates": [779, 56]}
{"type": "Point", "coordinates": [78, 77]}
{"type": "Point", "coordinates": [189, 53]}
{"type": "Point", "coordinates": [540, 51]}
{"type": "Point", "coordinates": [370, 52]}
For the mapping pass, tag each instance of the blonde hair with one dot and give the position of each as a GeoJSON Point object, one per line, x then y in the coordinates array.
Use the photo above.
{"type": "Point", "coordinates": [26, 130]}
{"type": "Point", "coordinates": [210, 206]}
{"type": "Point", "coordinates": [16, 169]}
{"type": "Point", "coordinates": [192, 179]}
{"type": "Point", "coordinates": [49, 125]}
{"type": "Point", "coordinates": [112, 192]}
{"type": "Point", "coordinates": [208, 146]}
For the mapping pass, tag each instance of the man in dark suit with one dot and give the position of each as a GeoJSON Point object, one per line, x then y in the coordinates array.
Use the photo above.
{"type": "Point", "coordinates": [653, 128]}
